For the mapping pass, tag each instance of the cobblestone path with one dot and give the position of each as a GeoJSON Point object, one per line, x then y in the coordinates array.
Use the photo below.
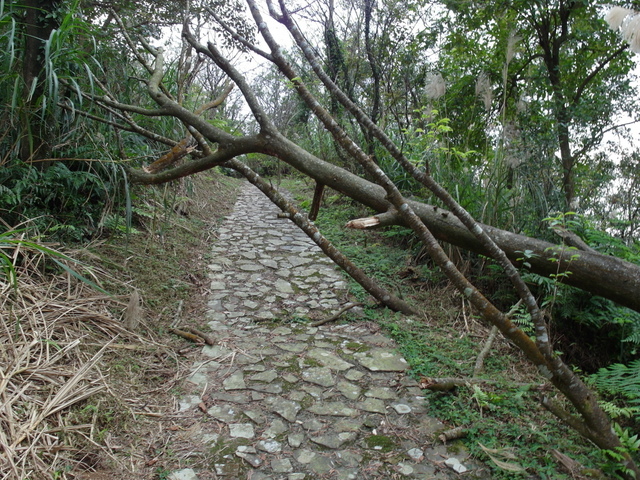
{"type": "Point", "coordinates": [278, 399]}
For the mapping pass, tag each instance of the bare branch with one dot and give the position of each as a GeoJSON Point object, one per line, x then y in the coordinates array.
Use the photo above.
{"type": "Point", "coordinates": [134, 50]}
{"type": "Point", "coordinates": [212, 52]}
{"type": "Point", "coordinates": [217, 101]}
{"type": "Point", "coordinates": [134, 128]}
{"type": "Point", "coordinates": [379, 220]}
{"type": "Point", "coordinates": [223, 154]}
{"type": "Point", "coordinates": [236, 36]}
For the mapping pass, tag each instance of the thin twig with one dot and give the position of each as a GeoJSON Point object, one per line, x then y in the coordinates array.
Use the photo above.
{"type": "Point", "coordinates": [479, 365]}
{"type": "Point", "coordinates": [176, 318]}
{"type": "Point", "coordinates": [348, 306]}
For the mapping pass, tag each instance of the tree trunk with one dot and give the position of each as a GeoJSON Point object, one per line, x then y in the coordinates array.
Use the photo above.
{"type": "Point", "coordinates": [39, 21]}
{"type": "Point", "coordinates": [551, 41]}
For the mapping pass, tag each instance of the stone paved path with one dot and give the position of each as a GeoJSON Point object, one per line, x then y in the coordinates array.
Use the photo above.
{"type": "Point", "coordinates": [277, 399]}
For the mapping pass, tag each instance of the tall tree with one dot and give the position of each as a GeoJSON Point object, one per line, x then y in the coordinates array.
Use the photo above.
{"type": "Point", "coordinates": [40, 18]}
{"type": "Point", "coordinates": [566, 85]}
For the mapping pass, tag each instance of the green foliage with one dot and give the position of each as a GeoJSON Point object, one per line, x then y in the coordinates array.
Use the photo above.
{"type": "Point", "coordinates": [365, 252]}
{"type": "Point", "coordinates": [497, 416]}
{"type": "Point", "coordinates": [64, 203]}
{"type": "Point", "coordinates": [428, 146]}
{"type": "Point", "coordinates": [617, 458]}
{"type": "Point", "coordinates": [14, 244]}
{"type": "Point", "coordinates": [36, 115]}
{"type": "Point", "coordinates": [604, 242]}
{"type": "Point", "coordinates": [546, 69]}
{"type": "Point", "coordinates": [430, 141]}
{"type": "Point", "coordinates": [621, 382]}
{"type": "Point", "coordinates": [267, 166]}
{"type": "Point", "coordinates": [598, 330]}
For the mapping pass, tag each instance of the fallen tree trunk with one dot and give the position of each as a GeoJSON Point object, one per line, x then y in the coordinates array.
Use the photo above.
{"type": "Point", "coordinates": [602, 275]}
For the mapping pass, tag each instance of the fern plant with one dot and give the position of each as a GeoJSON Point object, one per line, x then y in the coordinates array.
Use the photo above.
{"type": "Point", "coordinates": [67, 203]}
{"type": "Point", "coordinates": [623, 383]}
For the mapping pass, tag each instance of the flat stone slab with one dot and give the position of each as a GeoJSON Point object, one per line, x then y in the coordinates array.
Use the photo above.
{"type": "Point", "coordinates": [184, 474]}
{"type": "Point", "coordinates": [334, 441]}
{"type": "Point", "coordinates": [283, 286]}
{"type": "Point", "coordinates": [269, 446]}
{"type": "Point", "coordinates": [235, 382]}
{"type": "Point", "coordinates": [293, 347]}
{"type": "Point", "coordinates": [336, 409]}
{"type": "Point", "coordinates": [287, 409]}
{"type": "Point", "coordinates": [384, 393]}
{"type": "Point", "coordinates": [225, 413]}
{"type": "Point", "coordinates": [328, 359]}
{"type": "Point", "coordinates": [402, 408]}
{"type": "Point", "coordinates": [319, 375]}
{"type": "Point", "coordinates": [241, 430]}
{"type": "Point", "coordinates": [349, 390]}
{"type": "Point", "coordinates": [281, 465]}
{"type": "Point", "coordinates": [267, 376]}
{"type": "Point", "coordinates": [269, 263]}
{"type": "Point", "coordinates": [382, 360]}
{"type": "Point", "coordinates": [373, 405]}
{"type": "Point", "coordinates": [188, 402]}
{"type": "Point", "coordinates": [250, 267]}
{"type": "Point", "coordinates": [215, 351]}
{"type": "Point", "coordinates": [249, 454]}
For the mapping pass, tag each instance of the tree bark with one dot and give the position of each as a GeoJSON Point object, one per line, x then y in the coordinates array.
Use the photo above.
{"type": "Point", "coordinates": [39, 22]}
{"type": "Point", "coordinates": [317, 200]}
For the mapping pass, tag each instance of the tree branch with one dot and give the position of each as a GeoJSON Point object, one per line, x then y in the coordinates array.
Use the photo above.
{"type": "Point", "coordinates": [212, 52]}
{"type": "Point", "coordinates": [371, 286]}
{"type": "Point", "coordinates": [599, 67]}
{"type": "Point", "coordinates": [236, 36]}
{"type": "Point", "coordinates": [230, 150]}
{"type": "Point", "coordinates": [134, 127]}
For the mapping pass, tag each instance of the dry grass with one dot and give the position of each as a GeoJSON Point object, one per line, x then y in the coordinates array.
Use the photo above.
{"type": "Point", "coordinates": [54, 331]}
{"type": "Point", "coordinates": [88, 386]}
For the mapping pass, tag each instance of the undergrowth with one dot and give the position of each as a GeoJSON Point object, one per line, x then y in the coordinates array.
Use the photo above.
{"type": "Point", "coordinates": [70, 203]}
{"type": "Point", "coordinates": [163, 254]}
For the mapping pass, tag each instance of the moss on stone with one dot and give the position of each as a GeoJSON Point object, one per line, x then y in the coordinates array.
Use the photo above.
{"type": "Point", "coordinates": [381, 443]}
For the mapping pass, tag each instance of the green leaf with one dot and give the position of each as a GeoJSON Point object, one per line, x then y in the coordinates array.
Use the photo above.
{"type": "Point", "coordinates": [83, 279]}
{"type": "Point", "coordinates": [498, 457]}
